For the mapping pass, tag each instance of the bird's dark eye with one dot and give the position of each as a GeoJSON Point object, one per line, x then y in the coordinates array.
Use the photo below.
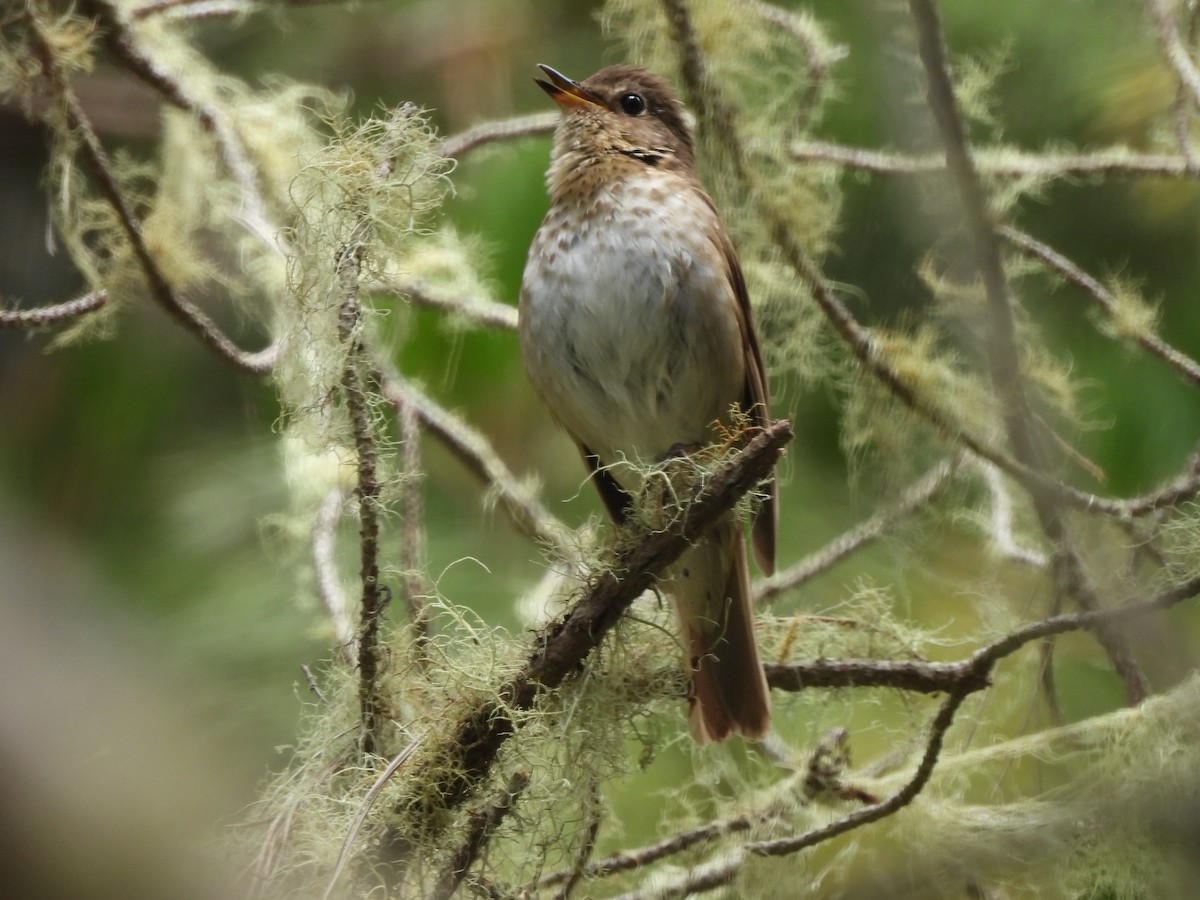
{"type": "Point", "coordinates": [633, 104]}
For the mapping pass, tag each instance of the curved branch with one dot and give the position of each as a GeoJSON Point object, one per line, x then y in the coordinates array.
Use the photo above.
{"type": "Point", "coordinates": [41, 316]}
{"type": "Point", "coordinates": [161, 289]}
{"type": "Point", "coordinates": [530, 125]}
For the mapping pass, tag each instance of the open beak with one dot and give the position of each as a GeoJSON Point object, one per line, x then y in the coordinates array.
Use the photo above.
{"type": "Point", "coordinates": [565, 92]}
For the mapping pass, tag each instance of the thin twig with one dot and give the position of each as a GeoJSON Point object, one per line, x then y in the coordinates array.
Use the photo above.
{"type": "Point", "coordinates": [203, 9]}
{"type": "Point", "coordinates": [1173, 48]}
{"type": "Point", "coordinates": [861, 535]}
{"type": "Point", "coordinates": [364, 807]}
{"type": "Point", "coordinates": [933, 748]}
{"type": "Point", "coordinates": [697, 879]}
{"type": "Point", "coordinates": [918, 676]}
{"type": "Point", "coordinates": [1072, 273]}
{"type": "Point", "coordinates": [1001, 530]}
{"type": "Point", "coordinates": [1002, 163]}
{"type": "Point", "coordinates": [41, 316]}
{"type": "Point", "coordinates": [473, 450]}
{"type": "Point", "coordinates": [101, 169]}
{"type": "Point", "coordinates": [502, 130]}
{"type": "Point", "coordinates": [480, 826]}
{"type": "Point", "coordinates": [819, 56]}
{"type": "Point", "coordinates": [453, 771]}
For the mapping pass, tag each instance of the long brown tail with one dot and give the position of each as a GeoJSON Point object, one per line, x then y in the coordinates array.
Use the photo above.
{"type": "Point", "coordinates": [711, 588]}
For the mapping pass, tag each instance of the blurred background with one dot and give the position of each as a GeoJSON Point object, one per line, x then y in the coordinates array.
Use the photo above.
{"type": "Point", "coordinates": [138, 475]}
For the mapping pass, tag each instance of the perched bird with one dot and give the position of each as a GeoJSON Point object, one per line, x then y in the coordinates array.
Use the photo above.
{"type": "Point", "coordinates": [636, 333]}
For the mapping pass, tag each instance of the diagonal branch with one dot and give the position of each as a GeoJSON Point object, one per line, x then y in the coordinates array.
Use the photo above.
{"type": "Point", "coordinates": [161, 289]}
{"type": "Point", "coordinates": [861, 535]}
{"type": "Point", "coordinates": [455, 768]}
{"type": "Point", "coordinates": [472, 449]}
{"type": "Point", "coordinates": [1031, 247]}
{"type": "Point", "coordinates": [41, 316]}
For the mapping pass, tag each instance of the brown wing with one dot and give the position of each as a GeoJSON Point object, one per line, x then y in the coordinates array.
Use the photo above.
{"type": "Point", "coordinates": [755, 400]}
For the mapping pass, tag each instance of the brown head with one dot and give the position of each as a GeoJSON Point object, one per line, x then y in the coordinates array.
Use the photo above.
{"type": "Point", "coordinates": [620, 113]}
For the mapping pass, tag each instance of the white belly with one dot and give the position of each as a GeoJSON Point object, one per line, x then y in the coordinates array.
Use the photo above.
{"type": "Point", "coordinates": [631, 340]}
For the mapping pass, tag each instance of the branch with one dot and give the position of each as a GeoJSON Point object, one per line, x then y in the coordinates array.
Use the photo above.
{"type": "Point", "coordinates": [1002, 348]}
{"type": "Point", "coordinates": [1002, 163]}
{"type": "Point", "coordinates": [41, 316]}
{"type": "Point", "coordinates": [210, 116]}
{"type": "Point", "coordinates": [861, 535]}
{"type": "Point", "coordinates": [1035, 249]}
{"type": "Point", "coordinates": [473, 450]}
{"type": "Point", "coordinates": [503, 130]}
{"type": "Point", "coordinates": [933, 748]}
{"type": "Point", "coordinates": [480, 827]}
{"type": "Point", "coordinates": [101, 169]}
{"type": "Point", "coordinates": [367, 490]}
{"type": "Point", "coordinates": [454, 769]}
{"type": "Point", "coordinates": [1169, 40]}
{"type": "Point", "coordinates": [412, 512]}
{"type": "Point", "coordinates": [205, 9]}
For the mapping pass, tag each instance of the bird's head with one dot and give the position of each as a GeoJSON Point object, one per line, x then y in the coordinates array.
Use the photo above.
{"type": "Point", "coordinates": [620, 113]}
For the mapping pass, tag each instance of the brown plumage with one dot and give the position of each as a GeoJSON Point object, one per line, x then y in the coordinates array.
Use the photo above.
{"type": "Point", "coordinates": [637, 333]}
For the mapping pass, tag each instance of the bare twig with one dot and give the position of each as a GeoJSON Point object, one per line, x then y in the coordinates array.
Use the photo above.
{"type": "Point", "coordinates": [1001, 530]}
{"type": "Point", "coordinates": [1002, 163]}
{"type": "Point", "coordinates": [101, 169]}
{"type": "Point", "coordinates": [205, 9]}
{"type": "Point", "coordinates": [503, 130]}
{"type": "Point", "coordinates": [861, 535]}
{"type": "Point", "coordinates": [644, 856]}
{"type": "Point", "coordinates": [474, 451]}
{"type": "Point", "coordinates": [329, 585]}
{"type": "Point", "coordinates": [918, 676]}
{"type": "Point", "coordinates": [453, 771]}
{"type": "Point", "coordinates": [1035, 249]}
{"type": "Point", "coordinates": [41, 316]}
{"type": "Point", "coordinates": [480, 826]}
{"type": "Point", "coordinates": [698, 879]}
{"type": "Point", "coordinates": [1173, 48]}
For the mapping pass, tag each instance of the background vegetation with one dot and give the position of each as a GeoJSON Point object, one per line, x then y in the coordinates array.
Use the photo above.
{"type": "Point", "coordinates": [159, 506]}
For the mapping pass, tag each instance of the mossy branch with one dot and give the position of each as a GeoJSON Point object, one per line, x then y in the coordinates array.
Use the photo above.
{"type": "Point", "coordinates": [367, 491]}
{"type": "Point", "coordinates": [1002, 346]}
{"type": "Point", "coordinates": [97, 162]}
{"type": "Point", "coordinates": [453, 771]}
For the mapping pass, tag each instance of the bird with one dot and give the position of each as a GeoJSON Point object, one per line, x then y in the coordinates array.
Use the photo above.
{"type": "Point", "coordinates": [636, 333]}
